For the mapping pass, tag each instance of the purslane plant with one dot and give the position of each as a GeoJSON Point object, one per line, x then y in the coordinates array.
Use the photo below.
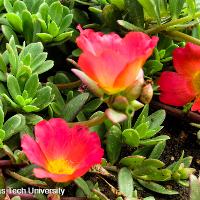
{"type": "Point", "coordinates": [98, 62]}
{"type": "Point", "coordinates": [20, 72]}
{"type": "Point", "coordinates": [45, 21]}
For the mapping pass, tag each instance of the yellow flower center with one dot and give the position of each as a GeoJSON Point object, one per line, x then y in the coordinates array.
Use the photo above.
{"type": "Point", "coordinates": [60, 166]}
{"type": "Point", "coordinates": [196, 82]}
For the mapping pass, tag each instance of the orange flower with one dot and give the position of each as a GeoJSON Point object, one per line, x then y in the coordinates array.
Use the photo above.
{"type": "Point", "coordinates": [112, 62]}
{"type": "Point", "coordinates": [62, 153]}
{"type": "Point", "coordinates": [181, 87]}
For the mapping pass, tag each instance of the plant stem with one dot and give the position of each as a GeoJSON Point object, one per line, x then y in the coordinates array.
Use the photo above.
{"type": "Point", "coordinates": [71, 85]}
{"type": "Point", "coordinates": [162, 27]}
{"type": "Point", "coordinates": [89, 123]}
{"type": "Point", "coordinates": [177, 35]}
{"type": "Point", "coordinates": [190, 116]}
{"type": "Point", "coordinates": [26, 180]}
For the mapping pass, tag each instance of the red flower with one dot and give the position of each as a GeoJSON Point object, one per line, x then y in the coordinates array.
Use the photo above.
{"type": "Point", "coordinates": [180, 87]}
{"type": "Point", "coordinates": [63, 153]}
{"type": "Point", "coordinates": [112, 62]}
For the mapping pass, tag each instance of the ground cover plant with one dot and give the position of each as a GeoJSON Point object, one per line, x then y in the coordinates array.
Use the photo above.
{"type": "Point", "coordinates": [99, 99]}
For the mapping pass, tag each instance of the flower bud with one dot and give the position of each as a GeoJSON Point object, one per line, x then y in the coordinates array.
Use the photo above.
{"type": "Point", "coordinates": [136, 105]}
{"type": "Point", "coordinates": [120, 103]}
{"type": "Point", "coordinates": [147, 93]}
{"type": "Point", "coordinates": [115, 116]}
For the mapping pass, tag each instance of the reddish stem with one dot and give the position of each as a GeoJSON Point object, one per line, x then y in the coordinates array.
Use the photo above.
{"type": "Point", "coordinates": [189, 116]}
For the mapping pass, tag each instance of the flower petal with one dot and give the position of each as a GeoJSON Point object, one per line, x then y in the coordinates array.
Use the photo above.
{"type": "Point", "coordinates": [102, 67]}
{"type": "Point", "coordinates": [196, 105]}
{"type": "Point", "coordinates": [84, 145]}
{"type": "Point", "coordinates": [52, 137]}
{"type": "Point", "coordinates": [96, 42]}
{"type": "Point", "coordinates": [33, 151]}
{"type": "Point", "coordinates": [187, 59]}
{"type": "Point", "coordinates": [175, 89]}
{"type": "Point", "coordinates": [41, 173]}
{"type": "Point", "coordinates": [138, 44]}
{"type": "Point", "coordinates": [129, 74]}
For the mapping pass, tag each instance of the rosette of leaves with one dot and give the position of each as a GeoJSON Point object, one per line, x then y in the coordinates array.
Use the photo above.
{"type": "Point", "coordinates": [20, 71]}
{"type": "Point", "coordinates": [21, 64]}
{"type": "Point", "coordinates": [42, 20]}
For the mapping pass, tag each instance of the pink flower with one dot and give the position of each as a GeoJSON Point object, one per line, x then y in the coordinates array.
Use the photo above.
{"type": "Point", "coordinates": [112, 62]}
{"type": "Point", "coordinates": [181, 87]}
{"type": "Point", "coordinates": [62, 153]}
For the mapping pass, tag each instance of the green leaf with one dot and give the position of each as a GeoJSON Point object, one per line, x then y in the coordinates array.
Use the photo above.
{"type": "Point", "coordinates": [43, 97]}
{"type": "Point", "coordinates": [34, 49]}
{"type": "Point", "coordinates": [66, 22]}
{"type": "Point", "coordinates": [152, 66]}
{"type": "Point", "coordinates": [19, 7]}
{"type": "Point", "coordinates": [63, 36]}
{"type": "Point", "coordinates": [58, 97]}
{"type": "Point", "coordinates": [30, 108]}
{"type": "Point", "coordinates": [153, 163]}
{"type": "Point", "coordinates": [47, 65]}
{"type": "Point", "coordinates": [128, 26]}
{"type": "Point", "coordinates": [119, 3]}
{"type": "Point", "coordinates": [13, 86]}
{"type": "Point", "coordinates": [92, 105]}
{"type": "Point", "coordinates": [156, 119]}
{"type": "Point", "coordinates": [113, 144]}
{"type": "Point", "coordinates": [135, 12]}
{"type": "Point", "coordinates": [143, 151]}
{"type": "Point", "coordinates": [27, 24]}
{"type": "Point", "coordinates": [158, 150]}
{"type": "Point", "coordinates": [178, 163]}
{"type": "Point", "coordinates": [8, 33]}
{"type": "Point", "coordinates": [149, 173]}
{"type": "Point", "coordinates": [1, 117]}
{"type": "Point", "coordinates": [125, 182]}
{"type": "Point", "coordinates": [152, 9]}
{"type": "Point", "coordinates": [56, 12]}
{"type": "Point", "coordinates": [74, 106]}
{"type": "Point", "coordinates": [45, 37]}
{"type": "Point", "coordinates": [83, 185]}
{"type": "Point", "coordinates": [8, 6]}
{"type": "Point", "coordinates": [142, 129]}
{"type": "Point", "coordinates": [143, 115]}
{"type": "Point", "coordinates": [157, 188]}
{"type": "Point", "coordinates": [43, 11]}
{"type": "Point", "coordinates": [155, 140]}
{"type": "Point", "coordinates": [53, 29]}
{"type": "Point", "coordinates": [131, 137]}
{"type": "Point", "coordinates": [13, 125]}
{"type": "Point", "coordinates": [175, 7]}
{"type": "Point", "coordinates": [132, 162]}
{"type": "Point", "coordinates": [32, 85]}
{"type": "Point", "coordinates": [15, 21]}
